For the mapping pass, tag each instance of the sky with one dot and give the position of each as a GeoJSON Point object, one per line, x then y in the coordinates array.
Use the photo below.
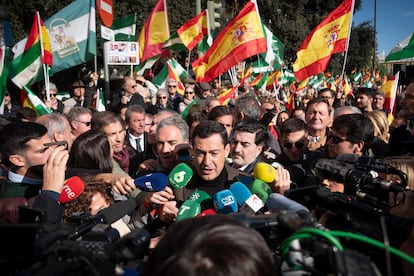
{"type": "Point", "coordinates": [395, 21]}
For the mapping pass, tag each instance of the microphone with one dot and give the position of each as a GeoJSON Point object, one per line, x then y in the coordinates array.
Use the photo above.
{"type": "Point", "coordinates": [249, 202]}
{"type": "Point", "coordinates": [264, 172]}
{"type": "Point", "coordinates": [153, 182]}
{"type": "Point", "coordinates": [278, 202]}
{"type": "Point", "coordinates": [180, 176]}
{"type": "Point", "coordinates": [106, 216]}
{"type": "Point", "coordinates": [225, 202]}
{"type": "Point", "coordinates": [337, 171]}
{"type": "Point", "coordinates": [72, 188]}
{"type": "Point", "coordinates": [261, 189]}
{"type": "Point", "coordinates": [202, 198]}
{"type": "Point", "coordinates": [207, 212]}
{"type": "Point", "coordinates": [189, 209]}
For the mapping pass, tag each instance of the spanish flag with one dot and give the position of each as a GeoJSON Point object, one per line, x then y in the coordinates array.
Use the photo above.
{"type": "Point", "coordinates": [329, 37]}
{"type": "Point", "coordinates": [390, 90]}
{"type": "Point", "coordinates": [226, 95]}
{"type": "Point", "coordinates": [243, 37]}
{"type": "Point", "coordinates": [154, 33]}
{"type": "Point", "coordinates": [193, 31]}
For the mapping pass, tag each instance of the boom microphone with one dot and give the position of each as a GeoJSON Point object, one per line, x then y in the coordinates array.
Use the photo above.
{"type": "Point", "coordinates": [106, 216]}
{"type": "Point", "coordinates": [180, 176]}
{"type": "Point", "coordinates": [72, 188]}
{"type": "Point", "coordinates": [153, 182]}
{"type": "Point", "coordinates": [264, 172]}
{"type": "Point", "coordinates": [278, 202]}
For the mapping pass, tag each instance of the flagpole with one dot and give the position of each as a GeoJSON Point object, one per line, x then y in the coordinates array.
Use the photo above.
{"type": "Point", "coordinates": [45, 71]}
{"type": "Point", "coordinates": [188, 64]}
{"type": "Point", "coordinates": [348, 39]}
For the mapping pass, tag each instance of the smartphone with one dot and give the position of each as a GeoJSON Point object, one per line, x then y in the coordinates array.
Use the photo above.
{"type": "Point", "coordinates": [59, 143]}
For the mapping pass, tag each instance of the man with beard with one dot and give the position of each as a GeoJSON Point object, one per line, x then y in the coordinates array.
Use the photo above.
{"type": "Point", "coordinates": [364, 99]}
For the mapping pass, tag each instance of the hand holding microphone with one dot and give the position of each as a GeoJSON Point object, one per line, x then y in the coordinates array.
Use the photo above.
{"type": "Point", "coordinates": [278, 180]}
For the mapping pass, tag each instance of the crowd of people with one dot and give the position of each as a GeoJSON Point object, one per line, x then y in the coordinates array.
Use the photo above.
{"type": "Point", "coordinates": [147, 131]}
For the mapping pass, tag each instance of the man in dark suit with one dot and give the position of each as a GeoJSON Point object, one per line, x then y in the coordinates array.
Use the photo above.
{"type": "Point", "coordinates": [128, 96]}
{"type": "Point", "coordinates": [137, 139]}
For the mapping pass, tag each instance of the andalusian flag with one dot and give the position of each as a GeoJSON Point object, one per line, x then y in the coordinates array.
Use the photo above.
{"type": "Point", "coordinates": [193, 31]}
{"type": "Point", "coordinates": [287, 77]}
{"type": "Point", "coordinates": [174, 43]}
{"type": "Point", "coordinates": [29, 99]}
{"type": "Point", "coordinates": [275, 50]}
{"type": "Point", "coordinates": [4, 55]}
{"type": "Point", "coordinates": [171, 70]}
{"type": "Point", "coordinates": [390, 90]}
{"type": "Point", "coordinates": [243, 37]}
{"type": "Point", "coordinates": [124, 28]}
{"type": "Point", "coordinates": [155, 32]}
{"type": "Point", "coordinates": [37, 52]}
{"type": "Point", "coordinates": [331, 36]}
{"type": "Point", "coordinates": [100, 100]}
{"type": "Point", "coordinates": [226, 95]}
{"type": "Point", "coordinates": [73, 37]}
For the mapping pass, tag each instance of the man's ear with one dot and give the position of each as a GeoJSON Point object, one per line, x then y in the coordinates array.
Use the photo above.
{"type": "Point", "coordinates": [74, 124]}
{"type": "Point", "coordinates": [359, 147]}
{"type": "Point", "coordinates": [17, 160]}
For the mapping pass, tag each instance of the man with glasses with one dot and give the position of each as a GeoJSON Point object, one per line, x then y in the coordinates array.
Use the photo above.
{"type": "Point", "coordinates": [295, 157]}
{"type": "Point", "coordinates": [128, 96]}
{"type": "Point", "coordinates": [174, 98]}
{"type": "Point", "coordinates": [80, 120]}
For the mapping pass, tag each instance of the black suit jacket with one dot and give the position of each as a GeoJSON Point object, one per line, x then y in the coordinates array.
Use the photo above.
{"type": "Point", "coordinates": [116, 104]}
{"type": "Point", "coordinates": [136, 158]}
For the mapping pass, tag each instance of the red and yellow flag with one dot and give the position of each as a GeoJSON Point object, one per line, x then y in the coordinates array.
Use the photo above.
{"type": "Point", "coordinates": [328, 38]}
{"type": "Point", "coordinates": [155, 32]}
{"type": "Point", "coordinates": [243, 37]}
{"type": "Point", "coordinates": [193, 31]}
{"type": "Point", "coordinates": [225, 96]}
{"type": "Point", "coordinates": [390, 90]}
{"type": "Point", "coordinates": [290, 105]}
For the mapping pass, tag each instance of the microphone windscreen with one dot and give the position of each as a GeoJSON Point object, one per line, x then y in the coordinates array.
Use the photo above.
{"type": "Point", "coordinates": [180, 176]}
{"type": "Point", "coordinates": [348, 158]}
{"type": "Point", "coordinates": [72, 188]}
{"type": "Point", "coordinates": [189, 209]}
{"type": "Point", "coordinates": [224, 202]}
{"type": "Point", "coordinates": [203, 198]}
{"type": "Point", "coordinates": [240, 192]}
{"type": "Point", "coordinates": [264, 172]}
{"type": "Point", "coordinates": [206, 212]}
{"type": "Point", "coordinates": [117, 210]}
{"type": "Point", "coordinates": [277, 202]}
{"type": "Point", "coordinates": [153, 182]}
{"type": "Point", "coordinates": [261, 189]}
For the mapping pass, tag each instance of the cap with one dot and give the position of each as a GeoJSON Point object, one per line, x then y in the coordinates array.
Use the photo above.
{"type": "Point", "coordinates": [188, 80]}
{"type": "Point", "coordinates": [205, 86]}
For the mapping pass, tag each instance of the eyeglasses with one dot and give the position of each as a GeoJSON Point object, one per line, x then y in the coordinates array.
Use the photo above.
{"type": "Point", "coordinates": [185, 93]}
{"type": "Point", "coordinates": [299, 145]}
{"type": "Point", "coordinates": [336, 140]}
{"type": "Point", "coordinates": [162, 97]}
{"type": "Point", "coordinates": [52, 95]}
{"type": "Point", "coordinates": [85, 123]}
{"type": "Point", "coordinates": [172, 86]}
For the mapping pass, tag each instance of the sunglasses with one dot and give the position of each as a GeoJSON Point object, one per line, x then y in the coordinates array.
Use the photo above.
{"type": "Point", "coordinates": [299, 145]}
{"type": "Point", "coordinates": [162, 97]}
{"type": "Point", "coordinates": [52, 95]}
{"type": "Point", "coordinates": [172, 86]}
{"type": "Point", "coordinates": [85, 123]}
{"type": "Point", "coordinates": [336, 140]}
{"type": "Point", "coordinates": [185, 93]}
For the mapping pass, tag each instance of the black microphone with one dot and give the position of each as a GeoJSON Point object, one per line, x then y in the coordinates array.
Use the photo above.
{"type": "Point", "coordinates": [106, 216]}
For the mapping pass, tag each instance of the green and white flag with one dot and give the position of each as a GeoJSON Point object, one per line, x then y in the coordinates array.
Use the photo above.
{"type": "Point", "coordinates": [73, 36]}
{"type": "Point", "coordinates": [122, 29]}
{"type": "Point", "coordinates": [100, 101]}
{"type": "Point", "coordinates": [4, 53]}
{"type": "Point", "coordinates": [287, 78]}
{"type": "Point", "coordinates": [147, 64]}
{"type": "Point", "coordinates": [30, 99]}
{"type": "Point", "coordinates": [171, 70]}
{"type": "Point", "coordinates": [174, 43]}
{"type": "Point", "coordinates": [275, 50]}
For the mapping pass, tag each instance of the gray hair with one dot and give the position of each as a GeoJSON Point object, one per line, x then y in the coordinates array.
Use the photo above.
{"type": "Point", "coordinates": [76, 111]}
{"type": "Point", "coordinates": [347, 109]}
{"type": "Point", "coordinates": [54, 122]}
{"type": "Point", "coordinates": [161, 92]}
{"type": "Point", "coordinates": [176, 121]}
{"type": "Point", "coordinates": [52, 86]}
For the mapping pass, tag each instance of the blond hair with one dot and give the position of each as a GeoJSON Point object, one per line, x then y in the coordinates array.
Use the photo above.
{"type": "Point", "coordinates": [380, 123]}
{"type": "Point", "coordinates": [404, 164]}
